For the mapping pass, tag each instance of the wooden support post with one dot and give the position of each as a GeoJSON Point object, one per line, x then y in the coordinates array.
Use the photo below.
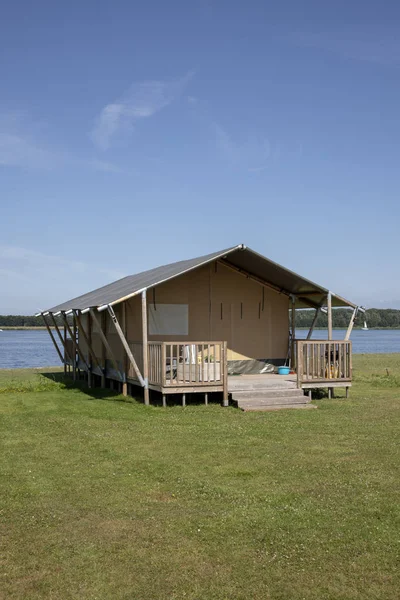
{"type": "Point", "coordinates": [164, 400]}
{"type": "Point", "coordinates": [329, 303]}
{"type": "Point", "coordinates": [293, 330]}
{"type": "Point", "coordinates": [53, 340]}
{"type": "Point", "coordinates": [183, 399]}
{"type": "Point", "coordinates": [145, 348]}
{"type": "Point", "coordinates": [65, 341]}
{"type": "Point", "coordinates": [347, 392]}
{"type": "Point", "coordinates": [89, 345]}
{"type": "Point", "coordinates": [350, 327]}
{"type": "Point", "coordinates": [125, 345]}
{"type": "Point", "coordinates": [206, 399]}
{"type": "Point", "coordinates": [76, 346]}
{"type": "Point", "coordinates": [105, 342]}
{"type": "Point", "coordinates": [88, 339]}
{"type": "Point", "coordinates": [60, 336]}
{"type": "Point", "coordinates": [124, 384]}
{"type": "Point", "coordinates": [102, 327]}
{"type": "Point", "coordinates": [224, 365]}
{"type": "Point", "coordinates": [73, 336]}
{"type": "Point", "coordinates": [317, 311]}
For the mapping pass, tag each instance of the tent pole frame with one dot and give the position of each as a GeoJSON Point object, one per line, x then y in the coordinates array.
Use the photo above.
{"type": "Point", "coordinates": [310, 332]}
{"type": "Point", "coordinates": [81, 355]}
{"type": "Point", "coordinates": [87, 339]}
{"type": "Point", "coordinates": [126, 345]}
{"type": "Point", "coordinates": [61, 338]}
{"type": "Point", "coordinates": [145, 349]}
{"type": "Point", "coordinates": [105, 343]}
{"type": "Point", "coordinates": [53, 340]}
{"type": "Point", "coordinates": [351, 324]}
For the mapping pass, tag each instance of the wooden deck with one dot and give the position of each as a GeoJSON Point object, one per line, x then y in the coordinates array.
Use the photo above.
{"type": "Point", "coordinates": [202, 367]}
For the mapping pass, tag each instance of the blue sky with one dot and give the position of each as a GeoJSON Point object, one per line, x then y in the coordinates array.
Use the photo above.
{"type": "Point", "coordinates": [133, 135]}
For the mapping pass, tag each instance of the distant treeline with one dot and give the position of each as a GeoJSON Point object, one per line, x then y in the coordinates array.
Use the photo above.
{"type": "Point", "coordinates": [24, 321]}
{"type": "Point", "coordinates": [375, 317]}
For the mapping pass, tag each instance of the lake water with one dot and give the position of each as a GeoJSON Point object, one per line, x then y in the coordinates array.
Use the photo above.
{"type": "Point", "coordinates": [23, 349]}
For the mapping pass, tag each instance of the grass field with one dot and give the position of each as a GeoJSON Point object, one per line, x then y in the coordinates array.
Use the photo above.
{"type": "Point", "coordinates": [104, 498]}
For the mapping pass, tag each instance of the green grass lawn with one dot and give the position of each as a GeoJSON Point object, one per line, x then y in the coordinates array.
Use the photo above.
{"type": "Point", "coordinates": [104, 498]}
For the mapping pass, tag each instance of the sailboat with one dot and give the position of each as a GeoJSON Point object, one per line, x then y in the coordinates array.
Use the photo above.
{"type": "Point", "coordinates": [365, 328]}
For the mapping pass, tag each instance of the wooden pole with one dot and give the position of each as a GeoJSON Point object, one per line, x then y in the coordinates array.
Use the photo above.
{"type": "Point", "coordinates": [65, 341]}
{"type": "Point", "coordinates": [102, 326]}
{"type": "Point", "coordinates": [329, 303]}
{"type": "Point", "coordinates": [60, 336]}
{"type": "Point", "coordinates": [73, 336]}
{"type": "Point", "coordinates": [145, 348]}
{"type": "Point", "coordinates": [105, 342]}
{"type": "Point", "coordinates": [350, 327]}
{"type": "Point", "coordinates": [224, 364]}
{"type": "Point", "coordinates": [54, 341]}
{"type": "Point", "coordinates": [76, 348]}
{"type": "Point", "coordinates": [124, 383]}
{"type": "Point", "coordinates": [88, 339]}
{"type": "Point", "coordinates": [125, 345]}
{"type": "Point", "coordinates": [293, 330]}
{"type": "Point", "coordinates": [89, 345]}
{"type": "Point", "coordinates": [317, 311]}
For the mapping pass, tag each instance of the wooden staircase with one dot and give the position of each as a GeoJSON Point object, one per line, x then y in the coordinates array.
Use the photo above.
{"type": "Point", "coordinates": [267, 393]}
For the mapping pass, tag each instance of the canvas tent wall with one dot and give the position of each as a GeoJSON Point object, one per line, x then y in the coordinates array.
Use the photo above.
{"type": "Point", "coordinates": [209, 303]}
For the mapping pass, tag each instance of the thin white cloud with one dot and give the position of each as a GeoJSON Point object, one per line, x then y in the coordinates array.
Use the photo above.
{"type": "Point", "coordinates": [141, 101]}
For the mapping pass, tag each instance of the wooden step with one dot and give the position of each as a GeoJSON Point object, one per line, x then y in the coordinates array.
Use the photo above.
{"type": "Point", "coordinates": [267, 393]}
{"type": "Point", "coordinates": [242, 385]}
{"type": "Point", "coordinates": [256, 407]}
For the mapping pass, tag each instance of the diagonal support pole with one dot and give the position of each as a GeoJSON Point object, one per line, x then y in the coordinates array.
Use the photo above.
{"type": "Point", "coordinates": [317, 311]}
{"type": "Point", "coordinates": [126, 346]}
{"type": "Point", "coordinates": [53, 339]}
{"type": "Point", "coordinates": [105, 343]}
{"type": "Point", "coordinates": [329, 306]}
{"type": "Point", "coordinates": [85, 337]}
{"type": "Point", "coordinates": [81, 355]}
{"type": "Point", "coordinates": [61, 338]}
{"type": "Point", "coordinates": [350, 327]}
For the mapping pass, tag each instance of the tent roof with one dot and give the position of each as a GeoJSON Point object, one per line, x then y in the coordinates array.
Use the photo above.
{"type": "Point", "coordinates": [308, 294]}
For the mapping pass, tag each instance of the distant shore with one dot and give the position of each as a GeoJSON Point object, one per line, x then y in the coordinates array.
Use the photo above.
{"type": "Point", "coordinates": [21, 328]}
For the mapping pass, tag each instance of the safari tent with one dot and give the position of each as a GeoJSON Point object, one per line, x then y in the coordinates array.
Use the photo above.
{"type": "Point", "coordinates": [195, 325]}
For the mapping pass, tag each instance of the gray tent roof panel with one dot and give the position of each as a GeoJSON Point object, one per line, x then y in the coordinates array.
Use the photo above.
{"type": "Point", "coordinates": [239, 257]}
{"type": "Point", "coordinates": [128, 286]}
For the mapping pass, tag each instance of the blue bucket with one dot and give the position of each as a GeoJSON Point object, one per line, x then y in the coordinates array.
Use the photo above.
{"type": "Point", "coordinates": [283, 370]}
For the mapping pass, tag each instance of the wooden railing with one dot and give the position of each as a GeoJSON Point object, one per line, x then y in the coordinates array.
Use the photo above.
{"type": "Point", "coordinates": [323, 362]}
{"type": "Point", "coordinates": [177, 364]}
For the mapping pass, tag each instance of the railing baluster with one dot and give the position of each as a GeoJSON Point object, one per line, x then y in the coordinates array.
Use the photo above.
{"type": "Point", "coordinates": [170, 365]}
